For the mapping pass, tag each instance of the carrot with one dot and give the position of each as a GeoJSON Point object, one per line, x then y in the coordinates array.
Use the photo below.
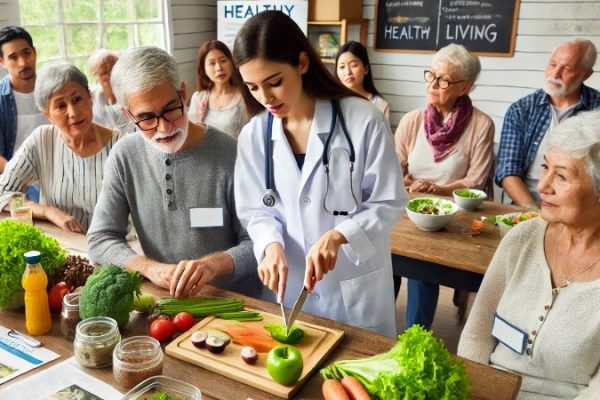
{"type": "Point", "coordinates": [259, 339]}
{"type": "Point", "coordinates": [476, 226]}
{"type": "Point", "coordinates": [355, 389]}
{"type": "Point", "coordinates": [332, 389]}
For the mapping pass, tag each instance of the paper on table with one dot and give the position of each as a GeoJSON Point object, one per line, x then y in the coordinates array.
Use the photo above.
{"type": "Point", "coordinates": [17, 357]}
{"type": "Point", "coordinates": [57, 381]}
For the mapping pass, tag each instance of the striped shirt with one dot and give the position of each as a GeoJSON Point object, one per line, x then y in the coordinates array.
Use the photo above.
{"type": "Point", "coordinates": [67, 181]}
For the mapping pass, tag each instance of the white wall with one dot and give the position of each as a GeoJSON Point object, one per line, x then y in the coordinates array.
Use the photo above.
{"type": "Point", "coordinates": [193, 23]}
{"type": "Point", "coordinates": [541, 26]}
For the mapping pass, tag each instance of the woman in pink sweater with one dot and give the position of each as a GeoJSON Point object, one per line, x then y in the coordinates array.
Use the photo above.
{"type": "Point", "coordinates": [445, 146]}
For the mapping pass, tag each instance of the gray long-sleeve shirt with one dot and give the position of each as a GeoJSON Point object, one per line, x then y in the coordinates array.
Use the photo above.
{"type": "Point", "coordinates": [160, 191]}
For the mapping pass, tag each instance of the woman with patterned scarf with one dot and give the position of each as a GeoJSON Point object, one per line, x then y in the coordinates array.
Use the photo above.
{"type": "Point", "coordinates": [445, 146]}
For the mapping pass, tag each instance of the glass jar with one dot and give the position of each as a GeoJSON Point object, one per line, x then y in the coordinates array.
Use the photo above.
{"type": "Point", "coordinates": [69, 315]}
{"type": "Point", "coordinates": [136, 359]}
{"type": "Point", "coordinates": [95, 340]}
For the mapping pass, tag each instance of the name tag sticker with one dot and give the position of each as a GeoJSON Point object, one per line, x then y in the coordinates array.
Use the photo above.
{"type": "Point", "coordinates": [206, 217]}
{"type": "Point", "coordinates": [509, 335]}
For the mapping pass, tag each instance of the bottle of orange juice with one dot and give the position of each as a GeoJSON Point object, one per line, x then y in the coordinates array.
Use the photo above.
{"type": "Point", "coordinates": [37, 309]}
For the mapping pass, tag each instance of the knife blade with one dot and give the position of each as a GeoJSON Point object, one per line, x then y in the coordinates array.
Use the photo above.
{"type": "Point", "coordinates": [297, 308]}
{"type": "Point", "coordinates": [283, 316]}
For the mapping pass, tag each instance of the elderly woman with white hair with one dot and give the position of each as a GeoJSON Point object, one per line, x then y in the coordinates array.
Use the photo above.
{"type": "Point", "coordinates": [445, 146]}
{"type": "Point", "coordinates": [66, 158]}
{"type": "Point", "coordinates": [537, 311]}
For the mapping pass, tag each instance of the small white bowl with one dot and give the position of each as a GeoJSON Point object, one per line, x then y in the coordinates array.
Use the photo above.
{"type": "Point", "coordinates": [469, 203]}
{"type": "Point", "coordinates": [431, 222]}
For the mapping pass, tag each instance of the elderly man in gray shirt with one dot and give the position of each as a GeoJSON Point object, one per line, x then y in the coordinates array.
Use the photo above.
{"type": "Point", "coordinates": [175, 178]}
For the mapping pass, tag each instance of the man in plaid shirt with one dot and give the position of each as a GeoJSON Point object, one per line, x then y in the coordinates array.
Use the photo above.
{"type": "Point", "coordinates": [527, 121]}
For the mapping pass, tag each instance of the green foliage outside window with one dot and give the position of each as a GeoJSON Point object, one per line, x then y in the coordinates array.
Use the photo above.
{"type": "Point", "coordinates": [73, 29]}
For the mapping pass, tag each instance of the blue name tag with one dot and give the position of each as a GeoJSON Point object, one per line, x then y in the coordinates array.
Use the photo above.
{"type": "Point", "coordinates": [509, 335]}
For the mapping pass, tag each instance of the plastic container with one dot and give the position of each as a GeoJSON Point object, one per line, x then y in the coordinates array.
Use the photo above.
{"type": "Point", "coordinates": [170, 386]}
{"type": "Point", "coordinates": [69, 315]}
{"type": "Point", "coordinates": [37, 309]}
{"type": "Point", "coordinates": [95, 340]}
{"type": "Point", "coordinates": [135, 359]}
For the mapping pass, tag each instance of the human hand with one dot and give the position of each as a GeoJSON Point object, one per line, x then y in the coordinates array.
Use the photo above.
{"type": "Point", "coordinates": [190, 276]}
{"type": "Point", "coordinates": [63, 220]}
{"type": "Point", "coordinates": [408, 180]}
{"type": "Point", "coordinates": [322, 257]}
{"type": "Point", "coordinates": [273, 269]}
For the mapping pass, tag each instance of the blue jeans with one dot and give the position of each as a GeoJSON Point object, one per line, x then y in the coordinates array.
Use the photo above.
{"type": "Point", "coordinates": [421, 303]}
{"type": "Point", "coordinates": [33, 193]}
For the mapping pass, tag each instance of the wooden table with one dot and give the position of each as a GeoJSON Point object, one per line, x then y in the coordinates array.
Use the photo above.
{"type": "Point", "coordinates": [487, 382]}
{"type": "Point", "coordinates": [452, 256]}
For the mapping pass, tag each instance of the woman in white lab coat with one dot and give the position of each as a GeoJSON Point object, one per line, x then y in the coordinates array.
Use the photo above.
{"type": "Point", "coordinates": [305, 238]}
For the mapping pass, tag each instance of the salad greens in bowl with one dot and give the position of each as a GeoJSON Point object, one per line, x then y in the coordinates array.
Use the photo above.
{"type": "Point", "coordinates": [506, 221]}
{"type": "Point", "coordinates": [431, 213]}
{"type": "Point", "coordinates": [469, 199]}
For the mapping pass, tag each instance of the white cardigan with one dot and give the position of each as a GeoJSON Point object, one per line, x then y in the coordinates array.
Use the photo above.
{"type": "Point", "coordinates": [563, 348]}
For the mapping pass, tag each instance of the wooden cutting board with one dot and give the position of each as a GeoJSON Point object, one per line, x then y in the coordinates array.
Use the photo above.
{"type": "Point", "coordinates": [318, 342]}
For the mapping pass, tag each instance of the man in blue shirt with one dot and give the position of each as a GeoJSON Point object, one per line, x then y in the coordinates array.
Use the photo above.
{"type": "Point", "coordinates": [18, 114]}
{"type": "Point", "coordinates": [527, 121]}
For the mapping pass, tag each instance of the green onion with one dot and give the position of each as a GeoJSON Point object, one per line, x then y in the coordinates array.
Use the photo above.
{"type": "Point", "coordinates": [199, 307]}
{"type": "Point", "coordinates": [241, 316]}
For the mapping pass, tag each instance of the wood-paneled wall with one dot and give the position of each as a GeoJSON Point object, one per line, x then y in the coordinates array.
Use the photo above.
{"type": "Point", "coordinates": [194, 22]}
{"type": "Point", "coordinates": [541, 26]}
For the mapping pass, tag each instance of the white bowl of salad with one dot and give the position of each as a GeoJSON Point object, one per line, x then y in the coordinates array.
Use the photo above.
{"type": "Point", "coordinates": [431, 213]}
{"type": "Point", "coordinates": [506, 221]}
{"type": "Point", "coordinates": [469, 199]}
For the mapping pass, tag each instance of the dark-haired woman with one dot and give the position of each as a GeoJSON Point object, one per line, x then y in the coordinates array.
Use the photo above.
{"type": "Point", "coordinates": [322, 228]}
{"type": "Point", "coordinates": [217, 100]}
{"type": "Point", "coordinates": [354, 71]}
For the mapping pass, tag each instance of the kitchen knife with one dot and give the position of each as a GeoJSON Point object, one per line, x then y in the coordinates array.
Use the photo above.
{"type": "Point", "coordinates": [284, 317]}
{"type": "Point", "coordinates": [297, 308]}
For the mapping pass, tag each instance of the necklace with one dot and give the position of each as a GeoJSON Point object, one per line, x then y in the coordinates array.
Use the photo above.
{"type": "Point", "coordinates": [569, 278]}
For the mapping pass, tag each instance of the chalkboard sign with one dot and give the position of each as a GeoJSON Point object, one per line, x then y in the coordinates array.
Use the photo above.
{"type": "Point", "coordinates": [484, 27]}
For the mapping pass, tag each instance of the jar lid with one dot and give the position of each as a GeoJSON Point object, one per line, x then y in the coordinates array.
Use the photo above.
{"type": "Point", "coordinates": [96, 329]}
{"type": "Point", "coordinates": [32, 257]}
{"type": "Point", "coordinates": [136, 352]}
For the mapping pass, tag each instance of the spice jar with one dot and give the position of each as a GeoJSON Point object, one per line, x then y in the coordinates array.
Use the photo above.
{"type": "Point", "coordinates": [135, 359]}
{"type": "Point", "coordinates": [95, 340]}
{"type": "Point", "coordinates": [69, 316]}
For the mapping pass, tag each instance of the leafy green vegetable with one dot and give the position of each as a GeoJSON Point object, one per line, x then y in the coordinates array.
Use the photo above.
{"type": "Point", "coordinates": [417, 367]}
{"type": "Point", "coordinates": [467, 193]}
{"type": "Point", "coordinates": [16, 239]}
{"type": "Point", "coordinates": [430, 206]}
{"type": "Point", "coordinates": [109, 293]}
{"type": "Point", "coordinates": [279, 333]}
{"type": "Point", "coordinates": [162, 396]}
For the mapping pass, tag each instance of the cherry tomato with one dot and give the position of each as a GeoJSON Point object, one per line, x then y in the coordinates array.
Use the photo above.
{"type": "Point", "coordinates": [183, 321]}
{"type": "Point", "coordinates": [56, 294]}
{"type": "Point", "coordinates": [162, 329]}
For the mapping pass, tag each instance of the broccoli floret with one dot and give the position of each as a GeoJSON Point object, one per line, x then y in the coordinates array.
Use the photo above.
{"type": "Point", "coordinates": [110, 293]}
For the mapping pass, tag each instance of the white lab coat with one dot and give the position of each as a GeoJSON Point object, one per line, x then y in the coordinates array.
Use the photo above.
{"type": "Point", "coordinates": [359, 291]}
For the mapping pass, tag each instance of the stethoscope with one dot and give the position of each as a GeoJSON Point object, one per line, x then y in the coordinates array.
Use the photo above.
{"type": "Point", "coordinates": [270, 196]}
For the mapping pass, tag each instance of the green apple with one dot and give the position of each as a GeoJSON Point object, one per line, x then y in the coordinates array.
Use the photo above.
{"type": "Point", "coordinates": [285, 364]}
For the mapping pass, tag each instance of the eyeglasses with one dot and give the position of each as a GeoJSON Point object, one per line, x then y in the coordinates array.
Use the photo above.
{"type": "Point", "coordinates": [441, 82]}
{"type": "Point", "coordinates": [170, 115]}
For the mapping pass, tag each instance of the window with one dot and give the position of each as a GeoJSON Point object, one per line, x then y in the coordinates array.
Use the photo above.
{"type": "Point", "coordinates": [73, 29]}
